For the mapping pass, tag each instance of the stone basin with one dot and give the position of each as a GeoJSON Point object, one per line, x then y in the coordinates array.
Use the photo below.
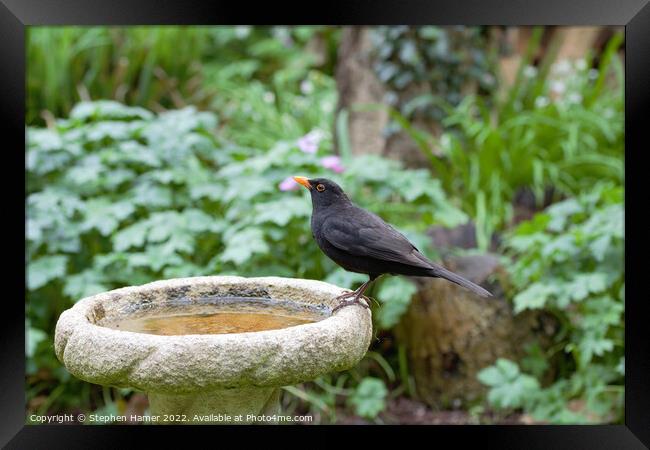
{"type": "Point", "coordinates": [206, 377]}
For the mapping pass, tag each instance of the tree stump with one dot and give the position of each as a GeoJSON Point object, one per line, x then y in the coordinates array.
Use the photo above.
{"type": "Point", "coordinates": [450, 334]}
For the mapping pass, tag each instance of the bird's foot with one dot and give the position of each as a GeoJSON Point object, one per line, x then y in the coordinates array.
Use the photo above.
{"type": "Point", "coordinates": [355, 301]}
{"type": "Point", "coordinates": [346, 295]}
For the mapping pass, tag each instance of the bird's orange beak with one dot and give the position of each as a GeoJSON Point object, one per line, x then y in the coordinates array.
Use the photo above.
{"type": "Point", "coordinates": [304, 181]}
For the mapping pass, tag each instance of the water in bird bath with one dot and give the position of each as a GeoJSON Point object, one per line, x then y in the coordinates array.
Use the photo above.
{"type": "Point", "coordinates": [216, 316]}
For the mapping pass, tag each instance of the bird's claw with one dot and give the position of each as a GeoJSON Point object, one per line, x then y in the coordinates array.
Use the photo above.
{"type": "Point", "coordinates": [356, 301]}
{"type": "Point", "coordinates": [346, 295]}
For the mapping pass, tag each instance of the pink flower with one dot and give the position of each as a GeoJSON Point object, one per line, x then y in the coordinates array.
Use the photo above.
{"type": "Point", "coordinates": [333, 163]}
{"type": "Point", "coordinates": [288, 184]}
{"type": "Point", "coordinates": [309, 142]}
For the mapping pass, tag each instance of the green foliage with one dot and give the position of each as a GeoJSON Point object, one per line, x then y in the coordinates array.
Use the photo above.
{"type": "Point", "coordinates": [269, 88]}
{"type": "Point", "coordinates": [556, 127]}
{"type": "Point", "coordinates": [445, 59]}
{"type": "Point", "coordinates": [569, 262]}
{"type": "Point", "coordinates": [120, 196]}
{"type": "Point", "coordinates": [509, 388]}
{"type": "Point", "coordinates": [154, 67]}
{"type": "Point", "coordinates": [395, 295]}
{"type": "Point", "coordinates": [369, 397]}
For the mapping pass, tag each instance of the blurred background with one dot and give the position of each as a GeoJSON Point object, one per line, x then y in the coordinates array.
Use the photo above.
{"type": "Point", "coordinates": [161, 152]}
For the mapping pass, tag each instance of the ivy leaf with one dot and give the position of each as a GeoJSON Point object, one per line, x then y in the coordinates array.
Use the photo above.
{"type": "Point", "coordinates": [369, 398]}
{"type": "Point", "coordinates": [45, 269]}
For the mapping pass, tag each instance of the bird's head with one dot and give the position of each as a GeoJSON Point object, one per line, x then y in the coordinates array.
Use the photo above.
{"type": "Point", "coordinates": [323, 192]}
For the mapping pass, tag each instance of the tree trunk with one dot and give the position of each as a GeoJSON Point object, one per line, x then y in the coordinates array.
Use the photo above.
{"type": "Point", "coordinates": [576, 41]}
{"type": "Point", "coordinates": [357, 85]}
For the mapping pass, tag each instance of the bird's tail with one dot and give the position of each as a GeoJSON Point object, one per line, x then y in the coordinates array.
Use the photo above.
{"type": "Point", "coordinates": [441, 272]}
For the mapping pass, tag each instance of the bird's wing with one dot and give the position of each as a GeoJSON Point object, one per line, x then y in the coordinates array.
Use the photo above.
{"type": "Point", "coordinates": [363, 233]}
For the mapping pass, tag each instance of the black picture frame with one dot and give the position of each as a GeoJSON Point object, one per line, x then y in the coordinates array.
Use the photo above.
{"type": "Point", "coordinates": [16, 15]}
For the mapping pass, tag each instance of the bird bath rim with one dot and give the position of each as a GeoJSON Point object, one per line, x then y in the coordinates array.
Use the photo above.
{"type": "Point", "coordinates": [184, 364]}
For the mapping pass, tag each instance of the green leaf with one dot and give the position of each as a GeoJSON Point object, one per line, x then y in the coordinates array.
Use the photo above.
{"type": "Point", "coordinates": [342, 278]}
{"type": "Point", "coordinates": [149, 195]}
{"type": "Point", "coordinates": [600, 246]}
{"type": "Point", "coordinates": [490, 376]}
{"type": "Point", "coordinates": [132, 236]}
{"type": "Point", "coordinates": [395, 295]}
{"type": "Point", "coordinates": [33, 338]}
{"type": "Point", "coordinates": [509, 388]}
{"type": "Point", "coordinates": [107, 109]}
{"type": "Point", "coordinates": [280, 212]}
{"type": "Point", "coordinates": [593, 344]}
{"type": "Point", "coordinates": [534, 297]}
{"type": "Point", "coordinates": [369, 398]}
{"type": "Point", "coordinates": [507, 368]}
{"type": "Point", "coordinates": [535, 361]}
{"type": "Point", "coordinates": [198, 221]}
{"type": "Point", "coordinates": [163, 225]}
{"type": "Point", "coordinates": [84, 284]}
{"type": "Point", "coordinates": [585, 284]}
{"type": "Point", "coordinates": [105, 216]}
{"type": "Point", "coordinates": [561, 212]}
{"type": "Point", "coordinates": [561, 248]}
{"type": "Point", "coordinates": [242, 245]}
{"type": "Point", "coordinates": [45, 269]}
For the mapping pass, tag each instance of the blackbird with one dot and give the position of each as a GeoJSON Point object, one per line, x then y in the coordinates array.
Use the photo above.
{"type": "Point", "coordinates": [360, 241]}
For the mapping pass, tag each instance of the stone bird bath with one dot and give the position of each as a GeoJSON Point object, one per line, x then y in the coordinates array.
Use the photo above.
{"type": "Point", "coordinates": [208, 377]}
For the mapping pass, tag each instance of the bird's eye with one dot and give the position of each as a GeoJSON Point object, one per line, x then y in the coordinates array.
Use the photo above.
{"type": "Point", "coordinates": [320, 187]}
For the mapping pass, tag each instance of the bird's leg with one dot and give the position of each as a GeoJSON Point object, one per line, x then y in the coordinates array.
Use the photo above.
{"type": "Point", "coordinates": [352, 293]}
{"type": "Point", "coordinates": [346, 295]}
{"type": "Point", "coordinates": [356, 294]}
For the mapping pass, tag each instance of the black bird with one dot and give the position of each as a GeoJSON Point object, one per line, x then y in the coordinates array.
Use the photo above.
{"type": "Point", "coordinates": [360, 241]}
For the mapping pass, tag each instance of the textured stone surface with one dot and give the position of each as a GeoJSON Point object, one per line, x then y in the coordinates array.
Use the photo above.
{"type": "Point", "coordinates": [220, 406]}
{"type": "Point", "coordinates": [187, 364]}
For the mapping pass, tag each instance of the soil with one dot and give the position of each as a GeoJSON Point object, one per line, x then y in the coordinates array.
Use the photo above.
{"type": "Point", "coordinates": [404, 411]}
